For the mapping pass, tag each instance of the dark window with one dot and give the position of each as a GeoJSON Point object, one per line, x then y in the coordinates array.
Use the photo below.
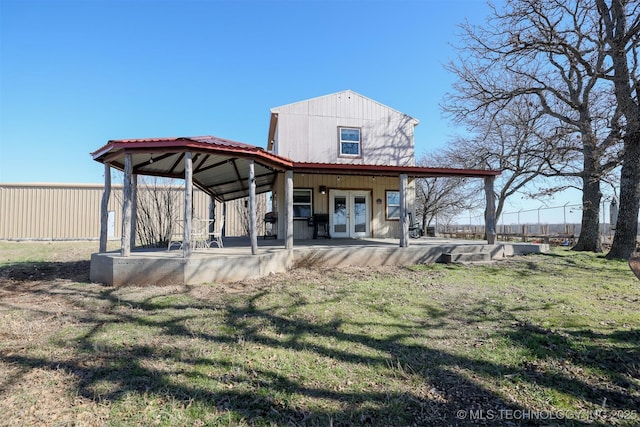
{"type": "Point", "coordinates": [349, 142]}
{"type": "Point", "coordinates": [302, 203]}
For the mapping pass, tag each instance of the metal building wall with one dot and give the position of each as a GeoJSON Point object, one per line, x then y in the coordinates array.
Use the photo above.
{"type": "Point", "coordinates": [45, 211]}
{"type": "Point", "coordinates": [51, 211]}
{"type": "Point", "coordinates": [308, 130]}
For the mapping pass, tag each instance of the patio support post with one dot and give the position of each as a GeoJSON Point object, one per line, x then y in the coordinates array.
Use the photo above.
{"type": "Point", "coordinates": [188, 208]}
{"type": "Point", "coordinates": [490, 210]}
{"type": "Point", "coordinates": [288, 209]}
{"type": "Point", "coordinates": [104, 208]}
{"type": "Point", "coordinates": [212, 214]}
{"type": "Point", "coordinates": [404, 225]}
{"type": "Point", "coordinates": [134, 208]}
{"type": "Point", "coordinates": [252, 209]}
{"type": "Point", "coordinates": [125, 249]}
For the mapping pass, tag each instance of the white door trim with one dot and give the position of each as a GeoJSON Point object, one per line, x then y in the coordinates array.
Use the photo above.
{"type": "Point", "coordinates": [343, 223]}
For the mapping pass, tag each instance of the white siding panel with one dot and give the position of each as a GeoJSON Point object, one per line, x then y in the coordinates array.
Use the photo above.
{"type": "Point", "coordinates": [323, 139]}
{"type": "Point", "coordinates": [324, 107]}
{"type": "Point", "coordinates": [293, 137]}
{"type": "Point", "coordinates": [307, 131]}
{"type": "Point", "coordinates": [296, 108]}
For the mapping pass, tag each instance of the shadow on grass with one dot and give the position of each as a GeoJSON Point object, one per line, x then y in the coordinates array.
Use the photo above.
{"type": "Point", "coordinates": [560, 357]}
{"type": "Point", "coordinates": [109, 370]}
{"type": "Point", "coordinates": [22, 272]}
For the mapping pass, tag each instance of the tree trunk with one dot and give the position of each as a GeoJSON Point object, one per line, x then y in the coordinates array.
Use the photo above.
{"type": "Point", "coordinates": [625, 237]}
{"type": "Point", "coordinates": [589, 239]}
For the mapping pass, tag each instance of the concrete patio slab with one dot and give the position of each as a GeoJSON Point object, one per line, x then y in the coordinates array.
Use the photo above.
{"type": "Point", "coordinates": [234, 262]}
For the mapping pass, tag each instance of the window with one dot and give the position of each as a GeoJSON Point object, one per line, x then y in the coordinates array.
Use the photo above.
{"type": "Point", "coordinates": [302, 204]}
{"type": "Point", "coordinates": [349, 142]}
{"type": "Point", "coordinates": [393, 205]}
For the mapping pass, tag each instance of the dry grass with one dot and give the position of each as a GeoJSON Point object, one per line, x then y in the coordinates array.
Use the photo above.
{"type": "Point", "coordinates": [554, 336]}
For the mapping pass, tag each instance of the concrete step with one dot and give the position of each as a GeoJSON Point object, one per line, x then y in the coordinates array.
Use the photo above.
{"type": "Point", "coordinates": [465, 257]}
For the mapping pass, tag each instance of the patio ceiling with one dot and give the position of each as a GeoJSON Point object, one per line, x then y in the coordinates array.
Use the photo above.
{"type": "Point", "coordinates": [220, 166]}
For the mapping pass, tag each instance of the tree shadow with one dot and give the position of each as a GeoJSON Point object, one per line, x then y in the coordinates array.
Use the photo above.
{"type": "Point", "coordinates": [108, 370]}
{"type": "Point", "coordinates": [24, 272]}
{"type": "Point", "coordinates": [560, 358]}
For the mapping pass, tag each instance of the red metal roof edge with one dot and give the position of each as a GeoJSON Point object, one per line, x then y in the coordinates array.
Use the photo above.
{"type": "Point", "coordinates": [385, 169]}
{"type": "Point", "coordinates": [206, 143]}
{"type": "Point", "coordinates": [212, 143]}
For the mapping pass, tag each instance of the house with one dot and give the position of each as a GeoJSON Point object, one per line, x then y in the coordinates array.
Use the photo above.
{"type": "Point", "coordinates": [326, 138]}
{"type": "Point", "coordinates": [338, 166]}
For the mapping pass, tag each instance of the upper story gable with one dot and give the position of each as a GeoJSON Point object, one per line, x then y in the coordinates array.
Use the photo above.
{"type": "Point", "coordinates": [342, 128]}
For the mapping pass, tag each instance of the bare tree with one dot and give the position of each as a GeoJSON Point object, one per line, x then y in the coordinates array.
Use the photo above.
{"type": "Point", "coordinates": [158, 209]}
{"type": "Point", "coordinates": [439, 196]}
{"type": "Point", "coordinates": [621, 22]}
{"type": "Point", "coordinates": [241, 208]}
{"type": "Point", "coordinates": [519, 140]}
{"type": "Point", "coordinates": [549, 52]}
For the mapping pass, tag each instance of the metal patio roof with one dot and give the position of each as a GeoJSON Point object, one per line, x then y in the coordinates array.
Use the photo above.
{"type": "Point", "coordinates": [220, 166]}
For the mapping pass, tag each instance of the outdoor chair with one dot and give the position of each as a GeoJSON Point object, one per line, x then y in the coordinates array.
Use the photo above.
{"type": "Point", "coordinates": [215, 235]}
{"type": "Point", "coordinates": [176, 235]}
{"type": "Point", "coordinates": [199, 233]}
{"type": "Point", "coordinates": [414, 228]}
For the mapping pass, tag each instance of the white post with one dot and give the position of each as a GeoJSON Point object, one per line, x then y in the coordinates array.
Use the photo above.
{"type": "Point", "coordinates": [404, 224]}
{"type": "Point", "coordinates": [288, 209]}
{"type": "Point", "coordinates": [104, 208]}
{"type": "Point", "coordinates": [490, 210]}
{"type": "Point", "coordinates": [188, 197]}
{"type": "Point", "coordinates": [252, 209]}
{"type": "Point", "coordinates": [125, 249]}
{"type": "Point", "coordinates": [134, 208]}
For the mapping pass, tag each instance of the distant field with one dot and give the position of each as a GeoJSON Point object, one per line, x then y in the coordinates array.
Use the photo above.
{"type": "Point", "coordinates": [537, 340]}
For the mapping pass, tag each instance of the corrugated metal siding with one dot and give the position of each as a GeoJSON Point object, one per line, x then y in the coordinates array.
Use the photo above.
{"type": "Point", "coordinates": [50, 211]}
{"type": "Point", "coordinates": [378, 186]}
{"type": "Point", "coordinates": [308, 130]}
{"type": "Point", "coordinates": [72, 211]}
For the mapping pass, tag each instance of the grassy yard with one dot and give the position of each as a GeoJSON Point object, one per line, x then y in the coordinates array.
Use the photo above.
{"type": "Point", "coordinates": [538, 340]}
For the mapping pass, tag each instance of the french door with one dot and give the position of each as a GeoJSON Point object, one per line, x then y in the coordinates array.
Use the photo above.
{"type": "Point", "coordinates": [350, 213]}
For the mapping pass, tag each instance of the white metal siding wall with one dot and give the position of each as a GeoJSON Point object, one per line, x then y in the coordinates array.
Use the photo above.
{"type": "Point", "coordinates": [308, 130]}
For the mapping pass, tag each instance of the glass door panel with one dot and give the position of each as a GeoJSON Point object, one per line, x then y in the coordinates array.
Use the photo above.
{"type": "Point", "coordinates": [339, 215]}
{"type": "Point", "coordinates": [360, 214]}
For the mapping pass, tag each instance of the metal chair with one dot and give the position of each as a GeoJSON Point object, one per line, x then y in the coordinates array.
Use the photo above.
{"type": "Point", "coordinates": [176, 236]}
{"type": "Point", "coordinates": [200, 233]}
{"type": "Point", "coordinates": [215, 236]}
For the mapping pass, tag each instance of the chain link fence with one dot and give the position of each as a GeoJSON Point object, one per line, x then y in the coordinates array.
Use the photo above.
{"type": "Point", "coordinates": [560, 223]}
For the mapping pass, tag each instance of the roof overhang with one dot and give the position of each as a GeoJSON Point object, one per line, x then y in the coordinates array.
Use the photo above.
{"type": "Point", "coordinates": [382, 170]}
{"type": "Point", "coordinates": [273, 125]}
{"type": "Point", "coordinates": [220, 166]}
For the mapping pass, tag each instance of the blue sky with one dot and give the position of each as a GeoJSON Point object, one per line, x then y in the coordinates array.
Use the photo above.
{"type": "Point", "coordinates": [75, 74]}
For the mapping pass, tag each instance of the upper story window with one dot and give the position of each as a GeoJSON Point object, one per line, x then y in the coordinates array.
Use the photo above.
{"type": "Point", "coordinates": [350, 141]}
{"type": "Point", "coordinates": [301, 203]}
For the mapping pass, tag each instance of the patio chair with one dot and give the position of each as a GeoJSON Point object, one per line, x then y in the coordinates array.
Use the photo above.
{"type": "Point", "coordinates": [414, 228]}
{"type": "Point", "coordinates": [200, 233]}
{"type": "Point", "coordinates": [215, 236]}
{"type": "Point", "coordinates": [176, 235]}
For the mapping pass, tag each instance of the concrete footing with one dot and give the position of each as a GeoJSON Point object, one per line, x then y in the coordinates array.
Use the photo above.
{"type": "Point", "coordinates": [163, 267]}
